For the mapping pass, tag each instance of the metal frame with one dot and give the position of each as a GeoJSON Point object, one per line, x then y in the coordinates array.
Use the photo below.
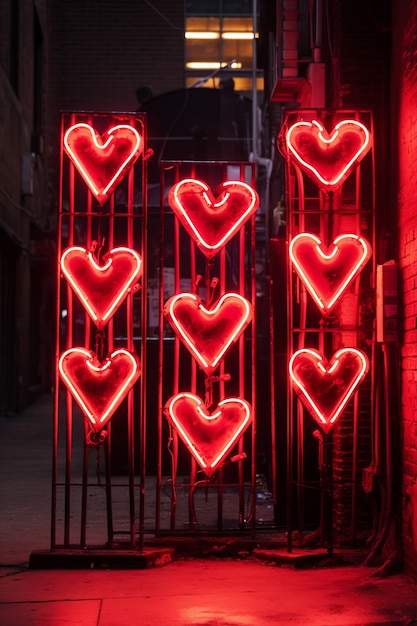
{"type": "Point", "coordinates": [98, 481]}
{"type": "Point", "coordinates": [181, 487]}
{"type": "Point", "coordinates": [351, 208]}
{"type": "Point", "coordinates": [77, 455]}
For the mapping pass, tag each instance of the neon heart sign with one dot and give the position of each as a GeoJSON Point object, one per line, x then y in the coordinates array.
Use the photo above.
{"type": "Point", "coordinates": [328, 159]}
{"type": "Point", "coordinates": [212, 219]}
{"type": "Point", "coordinates": [327, 274]}
{"type": "Point", "coordinates": [102, 161]}
{"type": "Point", "coordinates": [208, 436]}
{"type": "Point", "coordinates": [208, 333]}
{"type": "Point", "coordinates": [101, 288]}
{"type": "Point", "coordinates": [98, 387]}
{"type": "Point", "coordinates": [326, 388]}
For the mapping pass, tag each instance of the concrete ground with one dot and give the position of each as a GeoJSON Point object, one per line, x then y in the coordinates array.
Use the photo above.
{"type": "Point", "coordinates": [206, 593]}
{"type": "Point", "coordinates": [203, 592]}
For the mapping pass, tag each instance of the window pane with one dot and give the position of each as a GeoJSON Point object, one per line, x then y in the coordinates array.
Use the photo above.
{"type": "Point", "coordinates": [239, 50]}
{"type": "Point", "coordinates": [203, 7]}
{"type": "Point", "coordinates": [241, 83]}
{"type": "Point", "coordinates": [220, 27]}
{"type": "Point", "coordinates": [213, 7]}
{"type": "Point", "coordinates": [245, 84]}
{"type": "Point", "coordinates": [237, 24]}
{"type": "Point", "coordinates": [238, 7]}
{"type": "Point", "coordinates": [202, 24]}
{"type": "Point", "coordinates": [202, 50]}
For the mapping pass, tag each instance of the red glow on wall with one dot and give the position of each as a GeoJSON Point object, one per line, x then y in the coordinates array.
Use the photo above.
{"type": "Point", "coordinates": [327, 274]}
{"type": "Point", "coordinates": [98, 387]}
{"type": "Point", "coordinates": [102, 161]}
{"type": "Point", "coordinates": [328, 158]}
{"type": "Point", "coordinates": [326, 388]}
{"type": "Point", "coordinates": [208, 333]}
{"type": "Point", "coordinates": [208, 436]}
{"type": "Point", "coordinates": [212, 219]}
{"type": "Point", "coordinates": [101, 288]}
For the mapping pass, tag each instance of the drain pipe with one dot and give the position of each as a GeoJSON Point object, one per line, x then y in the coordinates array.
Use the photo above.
{"type": "Point", "coordinates": [388, 514]}
{"type": "Point", "coordinates": [318, 39]}
{"type": "Point", "coordinates": [316, 72]}
{"type": "Point", "coordinates": [254, 155]}
{"type": "Point", "coordinates": [254, 90]}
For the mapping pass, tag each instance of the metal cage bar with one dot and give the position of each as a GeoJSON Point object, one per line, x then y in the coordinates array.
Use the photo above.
{"type": "Point", "coordinates": [316, 499]}
{"type": "Point", "coordinates": [82, 221]}
{"type": "Point", "coordinates": [183, 491]}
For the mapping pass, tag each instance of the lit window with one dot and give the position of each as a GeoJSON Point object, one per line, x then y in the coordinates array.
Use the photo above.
{"type": "Point", "coordinates": [219, 33]}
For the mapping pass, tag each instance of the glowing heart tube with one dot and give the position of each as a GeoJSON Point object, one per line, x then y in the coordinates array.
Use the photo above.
{"type": "Point", "coordinates": [326, 388]}
{"type": "Point", "coordinates": [102, 161]}
{"type": "Point", "coordinates": [328, 159]}
{"type": "Point", "coordinates": [327, 273]}
{"type": "Point", "coordinates": [208, 333]}
{"type": "Point", "coordinates": [101, 288]}
{"type": "Point", "coordinates": [208, 436]}
{"type": "Point", "coordinates": [212, 219]}
{"type": "Point", "coordinates": [98, 387]}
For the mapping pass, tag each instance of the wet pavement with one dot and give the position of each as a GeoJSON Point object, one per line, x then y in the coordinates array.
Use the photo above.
{"type": "Point", "coordinates": [259, 590]}
{"type": "Point", "coordinates": [206, 593]}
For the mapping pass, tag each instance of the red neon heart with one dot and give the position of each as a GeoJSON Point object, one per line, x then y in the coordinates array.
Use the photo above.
{"type": "Point", "coordinates": [102, 161]}
{"type": "Point", "coordinates": [208, 436]}
{"type": "Point", "coordinates": [326, 388]}
{"type": "Point", "coordinates": [101, 288]}
{"type": "Point", "coordinates": [98, 387]}
{"type": "Point", "coordinates": [208, 333]}
{"type": "Point", "coordinates": [328, 159]}
{"type": "Point", "coordinates": [328, 274]}
{"type": "Point", "coordinates": [212, 219]}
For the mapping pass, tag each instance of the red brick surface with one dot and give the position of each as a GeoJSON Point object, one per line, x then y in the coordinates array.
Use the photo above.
{"type": "Point", "coordinates": [404, 170]}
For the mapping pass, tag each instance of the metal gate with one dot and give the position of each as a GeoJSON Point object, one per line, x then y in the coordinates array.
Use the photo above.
{"type": "Point", "coordinates": [195, 492]}
{"type": "Point", "coordinates": [124, 463]}
{"type": "Point", "coordinates": [327, 306]}
{"type": "Point", "coordinates": [101, 322]}
{"type": "Point", "coordinates": [156, 405]}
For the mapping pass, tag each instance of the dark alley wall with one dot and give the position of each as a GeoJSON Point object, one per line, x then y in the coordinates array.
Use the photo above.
{"type": "Point", "coordinates": [24, 324]}
{"type": "Point", "coordinates": [102, 51]}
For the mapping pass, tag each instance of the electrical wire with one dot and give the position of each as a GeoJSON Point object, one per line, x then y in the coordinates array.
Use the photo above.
{"type": "Point", "coordinates": [162, 16]}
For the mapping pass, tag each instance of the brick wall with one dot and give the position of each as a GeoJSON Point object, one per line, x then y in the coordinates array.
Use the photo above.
{"type": "Point", "coordinates": [103, 50]}
{"type": "Point", "coordinates": [360, 79]}
{"type": "Point", "coordinates": [404, 204]}
{"type": "Point", "coordinates": [358, 58]}
{"type": "Point", "coordinates": [20, 213]}
{"type": "Point", "coordinates": [365, 79]}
